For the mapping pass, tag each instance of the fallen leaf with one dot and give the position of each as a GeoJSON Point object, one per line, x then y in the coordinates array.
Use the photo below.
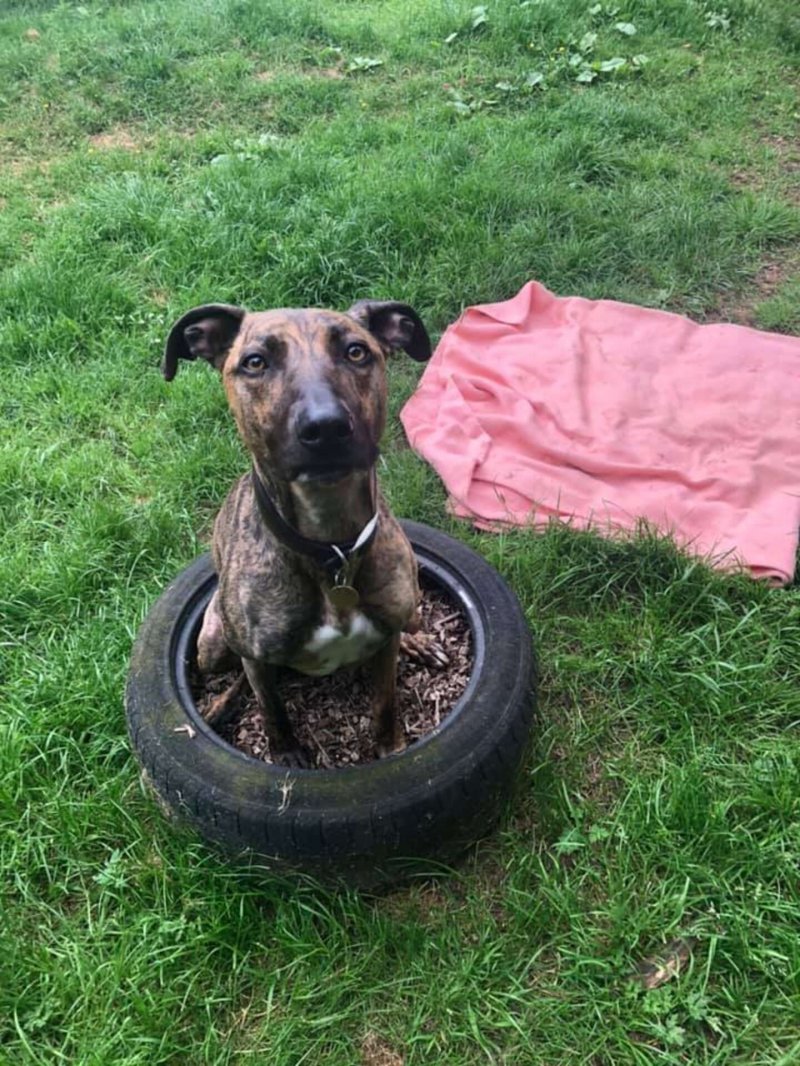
{"type": "Point", "coordinates": [658, 969]}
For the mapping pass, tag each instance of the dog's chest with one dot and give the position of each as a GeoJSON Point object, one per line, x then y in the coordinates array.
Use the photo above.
{"type": "Point", "coordinates": [338, 641]}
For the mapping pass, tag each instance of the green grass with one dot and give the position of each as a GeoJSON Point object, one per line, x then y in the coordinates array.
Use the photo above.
{"type": "Point", "coordinates": [155, 155]}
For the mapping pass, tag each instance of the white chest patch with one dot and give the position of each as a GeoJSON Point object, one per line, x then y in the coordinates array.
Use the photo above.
{"type": "Point", "coordinates": [350, 640]}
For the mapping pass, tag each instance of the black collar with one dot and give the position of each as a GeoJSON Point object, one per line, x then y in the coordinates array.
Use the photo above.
{"type": "Point", "coordinates": [327, 555]}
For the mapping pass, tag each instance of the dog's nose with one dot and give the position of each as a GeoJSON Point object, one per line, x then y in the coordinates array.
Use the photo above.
{"type": "Point", "coordinates": [323, 425]}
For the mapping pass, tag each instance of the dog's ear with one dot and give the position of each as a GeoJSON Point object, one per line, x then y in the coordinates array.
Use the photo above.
{"type": "Point", "coordinates": [205, 332]}
{"type": "Point", "coordinates": [395, 325]}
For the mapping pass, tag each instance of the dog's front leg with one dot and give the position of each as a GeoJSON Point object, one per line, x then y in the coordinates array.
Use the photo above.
{"type": "Point", "coordinates": [215, 657]}
{"type": "Point", "coordinates": [213, 654]}
{"type": "Point", "coordinates": [386, 726]}
{"type": "Point", "coordinates": [283, 745]}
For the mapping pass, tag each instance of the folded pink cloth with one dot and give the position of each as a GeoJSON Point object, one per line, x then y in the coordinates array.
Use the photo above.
{"type": "Point", "coordinates": [604, 414]}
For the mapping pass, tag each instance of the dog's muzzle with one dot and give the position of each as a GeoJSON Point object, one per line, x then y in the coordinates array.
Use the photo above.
{"type": "Point", "coordinates": [326, 444]}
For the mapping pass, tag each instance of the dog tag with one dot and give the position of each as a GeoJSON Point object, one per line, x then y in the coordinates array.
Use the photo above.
{"type": "Point", "coordinates": [344, 597]}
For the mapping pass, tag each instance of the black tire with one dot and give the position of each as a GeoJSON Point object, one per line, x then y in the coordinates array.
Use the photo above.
{"type": "Point", "coordinates": [364, 825]}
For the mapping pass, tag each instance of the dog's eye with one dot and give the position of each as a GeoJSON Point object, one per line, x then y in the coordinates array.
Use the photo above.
{"type": "Point", "coordinates": [357, 353]}
{"type": "Point", "coordinates": [254, 362]}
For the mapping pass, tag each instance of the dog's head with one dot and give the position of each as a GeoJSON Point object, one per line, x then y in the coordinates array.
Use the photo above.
{"type": "Point", "coordinates": [307, 387]}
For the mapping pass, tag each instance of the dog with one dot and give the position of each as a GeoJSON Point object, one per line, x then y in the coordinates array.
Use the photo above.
{"type": "Point", "coordinates": [314, 571]}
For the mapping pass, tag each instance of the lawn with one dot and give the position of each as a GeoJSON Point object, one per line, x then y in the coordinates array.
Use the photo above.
{"type": "Point", "coordinates": [156, 155]}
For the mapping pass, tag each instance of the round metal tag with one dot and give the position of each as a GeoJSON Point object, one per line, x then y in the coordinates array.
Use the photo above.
{"type": "Point", "coordinates": [344, 597]}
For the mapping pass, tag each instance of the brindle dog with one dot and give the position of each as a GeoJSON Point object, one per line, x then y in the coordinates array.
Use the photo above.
{"type": "Point", "coordinates": [307, 389]}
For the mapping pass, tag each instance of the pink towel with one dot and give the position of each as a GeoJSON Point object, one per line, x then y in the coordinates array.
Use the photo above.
{"type": "Point", "coordinates": [604, 414]}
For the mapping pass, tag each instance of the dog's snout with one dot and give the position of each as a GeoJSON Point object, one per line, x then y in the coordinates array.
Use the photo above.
{"type": "Point", "coordinates": [323, 424]}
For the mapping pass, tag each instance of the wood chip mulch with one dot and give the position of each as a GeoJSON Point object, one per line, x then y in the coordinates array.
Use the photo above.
{"type": "Point", "coordinates": [331, 715]}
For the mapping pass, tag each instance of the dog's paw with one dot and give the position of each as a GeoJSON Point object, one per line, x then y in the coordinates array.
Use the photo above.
{"type": "Point", "coordinates": [222, 708]}
{"type": "Point", "coordinates": [423, 648]}
{"type": "Point", "coordinates": [391, 746]}
{"type": "Point", "coordinates": [293, 756]}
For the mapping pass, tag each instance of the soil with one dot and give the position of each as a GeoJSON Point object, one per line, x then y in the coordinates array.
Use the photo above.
{"type": "Point", "coordinates": [118, 137]}
{"type": "Point", "coordinates": [331, 715]}
{"type": "Point", "coordinates": [376, 1052]}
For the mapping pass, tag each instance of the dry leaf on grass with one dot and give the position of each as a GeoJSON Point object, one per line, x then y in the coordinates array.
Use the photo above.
{"type": "Point", "coordinates": [668, 963]}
